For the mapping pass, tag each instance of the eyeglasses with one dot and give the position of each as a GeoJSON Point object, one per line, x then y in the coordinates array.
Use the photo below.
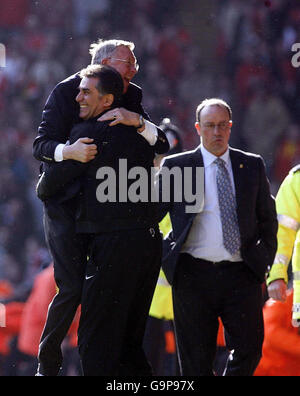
{"type": "Point", "coordinates": [129, 64]}
{"type": "Point", "coordinates": [221, 126]}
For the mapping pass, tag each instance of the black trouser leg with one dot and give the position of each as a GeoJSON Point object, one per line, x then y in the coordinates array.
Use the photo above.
{"type": "Point", "coordinates": [202, 293]}
{"type": "Point", "coordinates": [69, 252]}
{"type": "Point", "coordinates": [117, 295]}
{"type": "Point", "coordinates": [244, 331]}
{"type": "Point", "coordinates": [195, 319]}
{"type": "Point", "coordinates": [154, 344]}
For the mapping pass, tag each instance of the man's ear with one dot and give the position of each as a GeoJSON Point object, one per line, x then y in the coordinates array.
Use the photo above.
{"type": "Point", "coordinates": [108, 100]}
{"type": "Point", "coordinates": [198, 128]}
{"type": "Point", "coordinates": [230, 123]}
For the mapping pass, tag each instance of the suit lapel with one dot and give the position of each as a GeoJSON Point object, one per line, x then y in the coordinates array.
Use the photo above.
{"type": "Point", "coordinates": [196, 158]}
{"type": "Point", "coordinates": [239, 170]}
{"type": "Point", "coordinates": [197, 162]}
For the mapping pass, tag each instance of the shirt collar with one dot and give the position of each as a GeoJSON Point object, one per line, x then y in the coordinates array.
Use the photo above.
{"type": "Point", "coordinates": [209, 158]}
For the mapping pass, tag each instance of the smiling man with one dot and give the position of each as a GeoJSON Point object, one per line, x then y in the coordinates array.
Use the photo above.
{"type": "Point", "coordinates": [91, 99]}
{"type": "Point", "coordinates": [124, 242]}
{"type": "Point", "coordinates": [217, 259]}
{"type": "Point", "coordinates": [123, 60]}
{"type": "Point", "coordinates": [61, 110]}
{"type": "Point", "coordinates": [51, 146]}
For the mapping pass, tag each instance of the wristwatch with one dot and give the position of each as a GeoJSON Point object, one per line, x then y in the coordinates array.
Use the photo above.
{"type": "Point", "coordinates": [142, 123]}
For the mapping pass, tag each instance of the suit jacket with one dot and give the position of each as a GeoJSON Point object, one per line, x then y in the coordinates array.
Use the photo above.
{"type": "Point", "coordinates": [255, 210]}
{"type": "Point", "coordinates": [61, 113]}
{"type": "Point", "coordinates": [115, 143]}
{"type": "Point", "coordinates": [56, 176]}
{"type": "Point", "coordinates": [64, 180]}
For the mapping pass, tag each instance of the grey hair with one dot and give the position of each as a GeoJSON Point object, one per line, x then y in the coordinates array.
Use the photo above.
{"type": "Point", "coordinates": [213, 102]}
{"type": "Point", "coordinates": [103, 49]}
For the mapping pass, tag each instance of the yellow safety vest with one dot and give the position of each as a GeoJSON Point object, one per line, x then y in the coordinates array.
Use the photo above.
{"type": "Point", "coordinates": [162, 303]}
{"type": "Point", "coordinates": [288, 212]}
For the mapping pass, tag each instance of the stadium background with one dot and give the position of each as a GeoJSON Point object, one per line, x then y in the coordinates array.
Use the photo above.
{"type": "Point", "coordinates": [187, 50]}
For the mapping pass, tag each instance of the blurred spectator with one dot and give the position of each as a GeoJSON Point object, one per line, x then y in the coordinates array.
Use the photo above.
{"type": "Point", "coordinates": [281, 348]}
{"type": "Point", "coordinates": [19, 339]}
{"type": "Point", "coordinates": [265, 121]}
{"type": "Point", "coordinates": [170, 53]}
{"type": "Point", "coordinates": [34, 316]}
{"type": "Point", "coordinates": [13, 13]}
{"type": "Point", "coordinates": [251, 73]}
{"type": "Point", "coordinates": [287, 153]}
{"type": "Point", "coordinates": [84, 11]}
{"type": "Point", "coordinates": [13, 316]}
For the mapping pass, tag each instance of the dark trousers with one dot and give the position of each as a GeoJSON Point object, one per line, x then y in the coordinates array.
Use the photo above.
{"type": "Point", "coordinates": [163, 362]}
{"type": "Point", "coordinates": [69, 253]}
{"type": "Point", "coordinates": [204, 291]}
{"type": "Point", "coordinates": [121, 277]}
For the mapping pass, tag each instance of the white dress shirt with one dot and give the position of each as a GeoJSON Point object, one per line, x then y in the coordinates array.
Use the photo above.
{"type": "Point", "coordinates": [205, 239]}
{"type": "Point", "coordinates": [149, 133]}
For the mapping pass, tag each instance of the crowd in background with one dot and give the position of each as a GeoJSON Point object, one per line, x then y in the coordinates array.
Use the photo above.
{"type": "Point", "coordinates": [246, 61]}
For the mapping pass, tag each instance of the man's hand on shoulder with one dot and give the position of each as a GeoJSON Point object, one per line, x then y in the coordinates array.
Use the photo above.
{"type": "Point", "coordinates": [82, 150]}
{"type": "Point", "coordinates": [121, 116]}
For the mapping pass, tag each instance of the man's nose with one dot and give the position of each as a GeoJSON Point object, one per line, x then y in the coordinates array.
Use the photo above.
{"type": "Point", "coordinates": [135, 67]}
{"type": "Point", "coordinates": [132, 71]}
{"type": "Point", "coordinates": [218, 129]}
{"type": "Point", "coordinates": [78, 97]}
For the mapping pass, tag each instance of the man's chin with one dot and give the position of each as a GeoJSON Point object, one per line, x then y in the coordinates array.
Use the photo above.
{"type": "Point", "coordinates": [83, 115]}
{"type": "Point", "coordinates": [220, 152]}
{"type": "Point", "coordinates": [126, 85]}
{"type": "Point", "coordinates": [218, 149]}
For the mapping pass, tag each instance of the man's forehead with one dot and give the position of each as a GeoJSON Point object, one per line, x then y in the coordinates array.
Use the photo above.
{"type": "Point", "coordinates": [214, 110]}
{"type": "Point", "coordinates": [88, 82]}
{"type": "Point", "coordinates": [124, 51]}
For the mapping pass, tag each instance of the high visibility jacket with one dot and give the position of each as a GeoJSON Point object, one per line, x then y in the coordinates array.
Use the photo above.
{"type": "Point", "coordinates": [288, 211]}
{"type": "Point", "coordinates": [162, 303]}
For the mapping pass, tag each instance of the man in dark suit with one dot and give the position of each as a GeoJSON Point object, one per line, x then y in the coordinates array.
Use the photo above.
{"type": "Point", "coordinates": [69, 251]}
{"type": "Point", "coordinates": [124, 242]}
{"type": "Point", "coordinates": [217, 259]}
{"type": "Point", "coordinates": [61, 111]}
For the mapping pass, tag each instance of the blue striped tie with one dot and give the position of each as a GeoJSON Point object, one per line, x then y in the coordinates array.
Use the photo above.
{"type": "Point", "coordinates": [227, 204]}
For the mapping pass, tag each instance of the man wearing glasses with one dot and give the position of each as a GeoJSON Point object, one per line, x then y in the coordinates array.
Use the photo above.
{"type": "Point", "coordinates": [68, 250]}
{"type": "Point", "coordinates": [216, 259]}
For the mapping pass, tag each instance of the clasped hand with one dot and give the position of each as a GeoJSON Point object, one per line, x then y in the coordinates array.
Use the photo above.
{"type": "Point", "coordinates": [83, 150]}
{"type": "Point", "coordinates": [121, 116]}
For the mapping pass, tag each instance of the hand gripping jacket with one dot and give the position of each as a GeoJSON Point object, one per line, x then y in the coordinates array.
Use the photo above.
{"type": "Point", "coordinates": [288, 211]}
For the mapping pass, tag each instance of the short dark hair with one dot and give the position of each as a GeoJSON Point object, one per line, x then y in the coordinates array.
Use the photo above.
{"type": "Point", "coordinates": [109, 80]}
{"type": "Point", "coordinates": [213, 102]}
